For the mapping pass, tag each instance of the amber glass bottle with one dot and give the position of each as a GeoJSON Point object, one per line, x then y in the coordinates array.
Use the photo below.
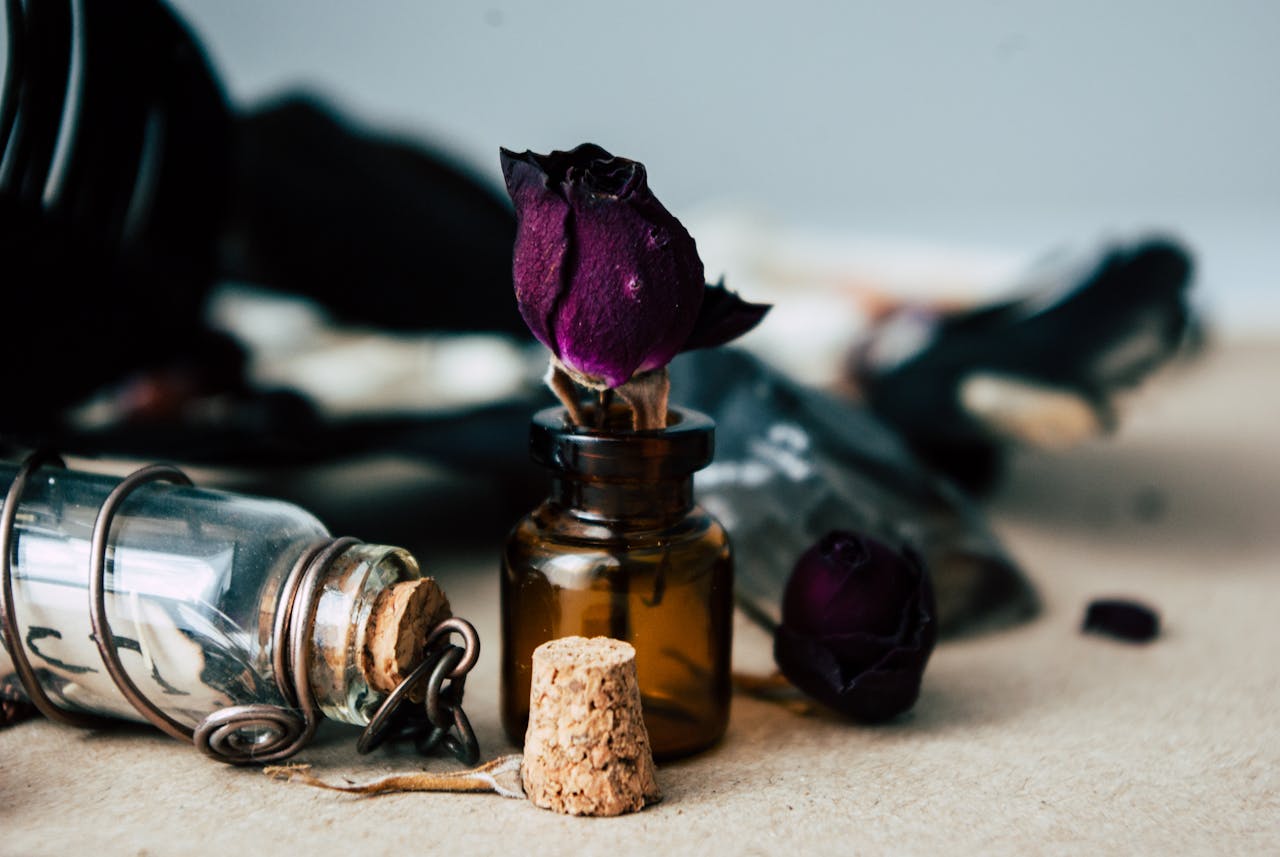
{"type": "Point", "coordinates": [620, 550]}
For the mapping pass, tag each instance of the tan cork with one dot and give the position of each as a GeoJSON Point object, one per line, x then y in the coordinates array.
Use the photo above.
{"type": "Point", "coordinates": [587, 751]}
{"type": "Point", "coordinates": [402, 617]}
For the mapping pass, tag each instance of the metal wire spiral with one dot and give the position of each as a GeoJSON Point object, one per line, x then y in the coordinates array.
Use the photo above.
{"type": "Point", "coordinates": [257, 733]}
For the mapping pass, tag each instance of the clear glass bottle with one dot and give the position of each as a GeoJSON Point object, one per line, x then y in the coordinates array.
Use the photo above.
{"type": "Point", "coordinates": [193, 589]}
{"type": "Point", "coordinates": [620, 549]}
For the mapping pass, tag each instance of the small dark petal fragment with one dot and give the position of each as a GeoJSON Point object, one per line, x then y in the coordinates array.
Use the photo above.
{"type": "Point", "coordinates": [1121, 619]}
{"type": "Point", "coordinates": [540, 245]}
{"type": "Point", "coordinates": [15, 712]}
{"type": "Point", "coordinates": [14, 707]}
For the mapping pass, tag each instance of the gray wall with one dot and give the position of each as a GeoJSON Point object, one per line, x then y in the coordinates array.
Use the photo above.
{"type": "Point", "coordinates": [1012, 125]}
{"type": "Point", "coordinates": [813, 108]}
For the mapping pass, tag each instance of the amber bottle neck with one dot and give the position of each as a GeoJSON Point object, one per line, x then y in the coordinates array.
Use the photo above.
{"type": "Point", "coordinates": [619, 475]}
{"type": "Point", "coordinates": [638, 502]}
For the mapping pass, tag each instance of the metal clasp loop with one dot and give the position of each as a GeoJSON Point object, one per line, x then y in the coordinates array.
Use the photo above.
{"type": "Point", "coordinates": [442, 715]}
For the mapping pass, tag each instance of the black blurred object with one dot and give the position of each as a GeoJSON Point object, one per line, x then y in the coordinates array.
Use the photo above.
{"type": "Point", "coordinates": [128, 188]}
{"type": "Point", "coordinates": [1121, 619]}
{"type": "Point", "coordinates": [376, 229]}
{"type": "Point", "coordinates": [1087, 332]}
{"type": "Point", "coordinates": [115, 141]}
{"type": "Point", "coordinates": [14, 706]}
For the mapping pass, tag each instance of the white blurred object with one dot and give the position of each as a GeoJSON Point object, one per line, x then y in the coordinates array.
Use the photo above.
{"type": "Point", "coordinates": [1034, 414]}
{"type": "Point", "coordinates": [827, 284]}
{"type": "Point", "coordinates": [345, 371]}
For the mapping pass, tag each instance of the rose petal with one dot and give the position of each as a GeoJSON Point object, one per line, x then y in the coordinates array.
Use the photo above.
{"type": "Point", "coordinates": [857, 652]}
{"type": "Point", "coordinates": [637, 283]}
{"type": "Point", "coordinates": [723, 317]}
{"type": "Point", "coordinates": [870, 696]}
{"type": "Point", "coordinates": [541, 242]}
{"type": "Point", "coordinates": [845, 584]}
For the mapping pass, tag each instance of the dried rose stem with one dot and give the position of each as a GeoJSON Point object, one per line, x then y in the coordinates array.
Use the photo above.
{"type": "Point", "coordinates": [775, 690]}
{"type": "Point", "coordinates": [567, 392]}
{"type": "Point", "coordinates": [647, 394]}
{"type": "Point", "coordinates": [501, 775]}
{"type": "Point", "coordinates": [603, 403]}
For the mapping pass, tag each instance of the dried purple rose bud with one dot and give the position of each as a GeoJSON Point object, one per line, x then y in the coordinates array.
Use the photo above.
{"type": "Point", "coordinates": [1124, 620]}
{"type": "Point", "coordinates": [857, 626]}
{"type": "Point", "coordinates": [605, 276]}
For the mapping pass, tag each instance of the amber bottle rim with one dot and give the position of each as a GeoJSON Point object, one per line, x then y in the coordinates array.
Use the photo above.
{"type": "Point", "coordinates": [685, 446]}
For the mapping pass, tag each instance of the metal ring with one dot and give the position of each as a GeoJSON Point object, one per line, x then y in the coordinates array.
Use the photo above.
{"type": "Point", "coordinates": [216, 734]}
{"type": "Point", "coordinates": [375, 733]}
{"type": "Point", "coordinates": [429, 740]}
{"type": "Point", "coordinates": [466, 748]}
{"type": "Point", "coordinates": [218, 730]}
{"type": "Point", "coordinates": [9, 628]}
{"type": "Point", "coordinates": [299, 625]}
{"type": "Point", "coordinates": [283, 614]}
{"type": "Point", "coordinates": [221, 734]}
{"type": "Point", "coordinates": [98, 596]}
{"type": "Point", "coordinates": [471, 643]}
{"type": "Point", "coordinates": [448, 661]}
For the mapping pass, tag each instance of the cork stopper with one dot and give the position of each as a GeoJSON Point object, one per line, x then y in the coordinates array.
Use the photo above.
{"type": "Point", "coordinates": [402, 617]}
{"type": "Point", "coordinates": [587, 751]}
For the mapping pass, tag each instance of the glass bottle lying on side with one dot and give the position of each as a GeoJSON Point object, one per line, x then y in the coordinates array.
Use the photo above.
{"type": "Point", "coordinates": [230, 615]}
{"type": "Point", "coordinates": [621, 550]}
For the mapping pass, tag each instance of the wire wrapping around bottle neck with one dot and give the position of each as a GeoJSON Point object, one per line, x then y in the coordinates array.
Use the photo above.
{"type": "Point", "coordinates": [277, 732]}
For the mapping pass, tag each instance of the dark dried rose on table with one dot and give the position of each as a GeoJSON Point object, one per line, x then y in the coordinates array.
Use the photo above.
{"type": "Point", "coordinates": [1122, 619]}
{"type": "Point", "coordinates": [857, 626]}
{"type": "Point", "coordinates": [605, 276]}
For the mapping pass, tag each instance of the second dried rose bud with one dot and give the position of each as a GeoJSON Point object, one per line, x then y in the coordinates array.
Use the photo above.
{"type": "Point", "coordinates": [858, 626]}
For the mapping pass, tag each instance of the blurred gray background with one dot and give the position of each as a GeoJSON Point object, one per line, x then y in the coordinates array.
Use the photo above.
{"type": "Point", "coordinates": [1014, 126]}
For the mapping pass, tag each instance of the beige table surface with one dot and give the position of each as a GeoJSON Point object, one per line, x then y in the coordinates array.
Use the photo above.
{"type": "Point", "coordinates": [1035, 740]}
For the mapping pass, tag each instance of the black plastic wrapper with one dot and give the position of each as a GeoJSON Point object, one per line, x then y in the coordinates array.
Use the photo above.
{"type": "Point", "coordinates": [793, 463]}
{"type": "Point", "coordinates": [1090, 327]}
